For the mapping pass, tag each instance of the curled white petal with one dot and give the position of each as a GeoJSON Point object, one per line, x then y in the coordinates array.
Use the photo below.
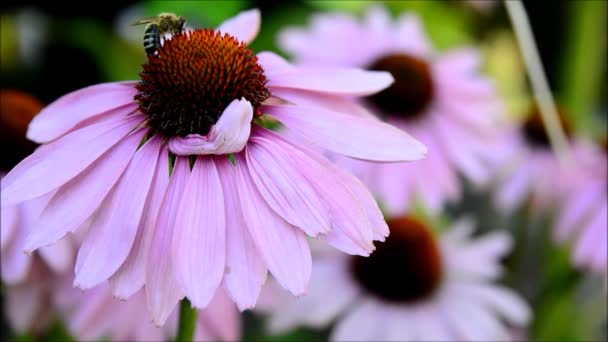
{"type": "Point", "coordinates": [229, 134]}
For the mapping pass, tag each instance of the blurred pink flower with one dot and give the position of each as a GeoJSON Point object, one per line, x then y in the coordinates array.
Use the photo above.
{"type": "Point", "coordinates": [414, 287]}
{"type": "Point", "coordinates": [28, 280]}
{"type": "Point", "coordinates": [529, 171]}
{"type": "Point", "coordinates": [440, 98]}
{"type": "Point", "coordinates": [583, 216]}
{"type": "Point", "coordinates": [142, 170]}
{"type": "Point", "coordinates": [96, 315]}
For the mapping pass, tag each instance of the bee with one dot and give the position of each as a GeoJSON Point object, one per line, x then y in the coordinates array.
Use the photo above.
{"type": "Point", "coordinates": [157, 26]}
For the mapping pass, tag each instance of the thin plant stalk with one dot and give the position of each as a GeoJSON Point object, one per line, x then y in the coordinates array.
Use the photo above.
{"type": "Point", "coordinates": [538, 80]}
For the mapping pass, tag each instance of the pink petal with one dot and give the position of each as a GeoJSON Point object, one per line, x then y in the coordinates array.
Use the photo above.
{"type": "Point", "coordinates": [245, 26]}
{"type": "Point", "coordinates": [578, 207]}
{"type": "Point", "coordinates": [162, 289]}
{"type": "Point", "coordinates": [329, 102]}
{"type": "Point", "coordinates": [14, 263]}
{"type": "Point", "coordinates": [55, 164]}
{"type": "Point", "coordinates": [273, 63]}
{"type": "Point", "coordinates": [68, 111]}
{"type": "Point", "coordinates": [23, 305]}
{"type": "Point", "coordinates": [378, 20]}
{"type": "Point", "coordinates": [361, 194]}
{"type": "Point", "coordinates": [245, 270]}
{"type": "Point", "coordinates": [59, 256]}
{"type": "Point", "coordinates": [102, 252]}
{"type": "Point", "coordinates": [592, 237]}
{"type": "Point", "coordinates": [8, 221]}
{"type": "Point", "coordinates": [350, 135]}
{"type": "Point", "coordinates": [130, 277]}
{"type": "Point", "coordinates": [503, 301]}
{"type": "Point", "coordinates": [460, 154]}
{"type": "Point", "coordinates": [199, 245]}
{"type": "Point", "coordinates": [516, 188]}
{"type": "Point", "coordinates": [283, 247]}
{"type": "Point", "coordinates": [285, 188]}
{"type": "Point", "coordinates": [333, 80]}
{"type": "Point", "coordinates": [229, 134]}
{"type": "Point", "coordinates": [462, 61]}
{"type": "Point", "coordinates": [331, 292]}
{"type": "Point", "coordinates": [221, 319]}
{"type": "Point", "coordinates": [410, 36]}
{"type": "Point", "coordinates": [76, 201]}
{"type": "Point", "coordinates": [360, 324]}
{"type": "Point", "coordinates": [351, 229]}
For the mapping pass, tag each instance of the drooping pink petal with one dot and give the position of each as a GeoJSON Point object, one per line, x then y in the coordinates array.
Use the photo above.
{"type": "Point", "coordinates": [351, 229]}
{"type": "Point", "coordinates": [229, 134]}
{"type": "Point", "coordinates": [364, 138]}
{"type": "Point", "coordinates": [8, 221]}
{"type": "Point", "coordinates": [130, 277]}
{"type": "Point", "coordinates": [285, 188]}
{"type": "Point", "coordinates": [78, 199]}
{"type": "Point", "coordinates": [245, 270]}
{"type": "Point", "coordinates": [14, 263]}
{"type": "Point", "coordinates": [162, 289]}
{"type": "Point", "coordinates": [23, 305]}
{"type": "Point", "coordinates": [221, 320]}
{"type": "Point", "coordinates": [65, 113]}
{"type": "Point", "coordinates": [58, 256]}
{"type": "Point", "coordinates": [54, 164]}
{"type": "Point", "coordinates": [360, 193]}
{"type": "Point", "coordinates": [283, 247]}
{"type": "Point", "coordinates": [334, 80]}
{"type": "Point", "coordinates": [245, 26]}
{"type": "Point", "coordinates": [199, 245]}
{"type": "Point", "coordinates": [119, 215]}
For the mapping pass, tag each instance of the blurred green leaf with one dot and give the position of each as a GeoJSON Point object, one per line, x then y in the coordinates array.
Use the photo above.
{"type": "Point", "coordinates": [352, 6]}
{"type": "Point", "coordinates": [57, 333]}
{"type": "Point", "coordinates": [256, 331]}
{"type": "Point", "coordinates": [584, 62]}
{"type": "Point", "coordinates": [273, 22]}
{"type": "Point", "coordinates": [202, 13]}
{"type": "Point", "coordinates": [118, 59]}
{"type": "Point", "coordinates": [447, 25]}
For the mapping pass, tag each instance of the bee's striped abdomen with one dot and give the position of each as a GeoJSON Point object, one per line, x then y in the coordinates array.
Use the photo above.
{"type": "Point", "coordinates": [151, 39]}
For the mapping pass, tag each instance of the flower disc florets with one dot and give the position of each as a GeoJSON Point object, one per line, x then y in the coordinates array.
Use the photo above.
{"type": "Point", "coordinates": [404, 268]}
{"type": "Point", "coordinates": [193, 77]}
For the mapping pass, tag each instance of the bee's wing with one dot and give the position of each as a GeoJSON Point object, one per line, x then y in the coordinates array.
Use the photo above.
{"type": "Point", "coordinates": [146, 20]}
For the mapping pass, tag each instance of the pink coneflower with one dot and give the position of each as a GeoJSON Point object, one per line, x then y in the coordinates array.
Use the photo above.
{"type": "Point", "coordinates": [583, 217]}
{"type": "Point", "coordinates": [414, 287]}
{"type": "Point", "coordinates": [96, 315]}
{"type": "Point", "coordinates": [176, 186]}
{"type": "Point", "coordinates": [440, 99]}
{"type": "Point", "coordinates": [28, 280]}
{"type": "Point", "coordinates": [529, 171]}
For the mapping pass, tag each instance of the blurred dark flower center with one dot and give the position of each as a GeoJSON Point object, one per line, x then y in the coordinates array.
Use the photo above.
{"type": "Point", "coordinates": [412, 90]}
{"type": "Point", "coordinates": [194, 76]}
{"type": "Point", "coordinates": [404, 268]}
{"type": "Point", "coordinates": [534, 129]}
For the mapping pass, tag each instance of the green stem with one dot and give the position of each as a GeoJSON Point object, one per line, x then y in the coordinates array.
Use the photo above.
{"type": "Point", "coordinates": [187, 322]}
{"type": "Point", "coordinates": [584, 61]}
